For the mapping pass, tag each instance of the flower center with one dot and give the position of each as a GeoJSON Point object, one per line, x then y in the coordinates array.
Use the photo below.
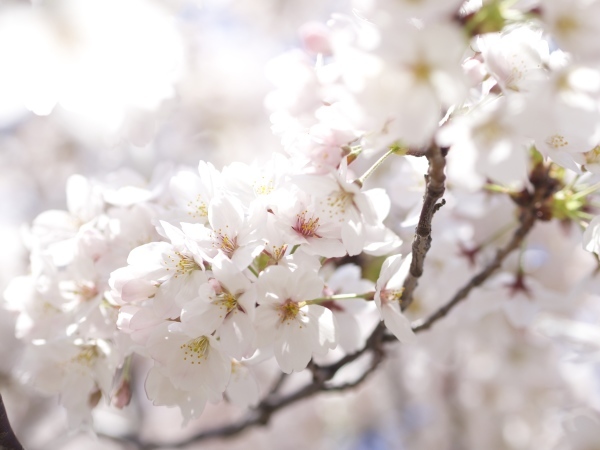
{"type": "Point", "coordinates": [557, 141]}
{"type": "Point", "coordinates": [306, 227]}
{"type": "Point", "coordinates": [195, 350]}
{"type": "Point", "coordinates": [336, 204]}
{"type": "Point", "coordinates": [79, 290]}
{"type": "Point", "coordinates": [225, 243]}
{"type": "Point", "coordinates": [278, 251]}
{"type": "Point", "coordinates": [263, 186]}
{"type": "Point", "coordinates": [227, 301]}
{"type": "Point", "coordinates": [391, 295]}
{"type": "Point", "coordinates": [183, 264]}
{"type": "Point", "coordinates": [288, 311]}
{"type": "Point", "coordinates": [87, 355]}
{"type": "Point", "coordinates": [197, 208]}
{"type": "Point", "coordinates": [421, 71]}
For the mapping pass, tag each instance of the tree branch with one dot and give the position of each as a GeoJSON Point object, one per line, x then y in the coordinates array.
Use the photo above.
{"type": "Point", "coordinates": [434, 190]}
{"type": "Point", "coordinates": [8, 440]}
{"type": "Point", "coordinates": [534, 207]}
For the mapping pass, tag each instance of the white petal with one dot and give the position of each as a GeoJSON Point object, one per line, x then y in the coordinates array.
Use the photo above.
{"type": "Point", "coordinates": [353, 237]}
{"type": "Point", "coordinates": [397, 322]}
{"type": "Point", "coordinates": [326, 332]}
{"type": "Point", "coordinates": [292, 349]}
{"type": "Point", "coordinates": [237, 335]}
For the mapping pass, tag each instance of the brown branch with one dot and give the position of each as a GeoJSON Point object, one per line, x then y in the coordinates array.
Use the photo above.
{"type": "Point", "coordinates": [483, 275]}
{"type": "Point", "coordinates": [8, 440]}
{"type": "Point", "coordinates": [534, 207]}
{"type": "Point", "coordinates": [434, 191]}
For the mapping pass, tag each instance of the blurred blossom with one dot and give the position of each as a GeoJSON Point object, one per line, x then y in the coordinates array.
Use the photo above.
{"type": "Point", "coordinates": [96, 59]}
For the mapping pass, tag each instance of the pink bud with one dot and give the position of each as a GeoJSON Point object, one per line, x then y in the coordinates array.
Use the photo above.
{"type": "Point", "coordinates": [122, 397]}
{"type": "Point", "coordinates": [315, 38]}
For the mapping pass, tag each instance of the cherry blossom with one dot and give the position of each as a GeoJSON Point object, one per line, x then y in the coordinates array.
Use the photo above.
{"type": "Point", "coordinates": [388, 292]}
{"type": "Point", "coordinates": [285, 321]}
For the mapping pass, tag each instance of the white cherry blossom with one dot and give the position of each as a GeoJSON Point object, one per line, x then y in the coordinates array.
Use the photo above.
{"type": "Point", "coordinates": [388, 292]}
{"type": "Point", "coordinates": [192, 362]}
{"type": "Point", "coordinates": [294, 329]}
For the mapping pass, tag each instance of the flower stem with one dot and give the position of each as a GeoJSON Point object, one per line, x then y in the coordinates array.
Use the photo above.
{"type": "Point", "coordinates": [497, 188]}
{"type": "Point", "coordinates": [253, 271]}
{"type": "Point", "coordinates": [586, 191]}
{"type": "Point", "coordinates": [338, 297]}
{"type": "Point", "coordinates": [374, 167]}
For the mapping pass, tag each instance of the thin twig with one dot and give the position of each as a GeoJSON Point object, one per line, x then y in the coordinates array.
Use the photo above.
{"type": "Point", "coordinates": [533, 206]}
{"type": "Point", "coordinates": [482, 276]}
{"type": "Point", "coordinates": [434, 191]}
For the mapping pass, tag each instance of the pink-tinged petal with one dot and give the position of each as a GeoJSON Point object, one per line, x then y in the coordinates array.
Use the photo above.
{"type": "Point", "coordinates": [219, 370]}
{"type": "Point", "coordinates": [79, 193]}
{"type": "Point", "coordinates": [292, 349]}
{"type": "Point", "coordinates": [179, 290]}
{"type": "Point", "coordinates": [591, 236]}
{"type": "Point", "coordinates": [248, 302]}
{"type": "Point", "coordinates": [316, 185]}
{"type": "Point", "coordinates": [55, 225]}
{"type": "Point", "coordinates": [142, 318]}
{"type": "Point", "coordinates": [140, 323]}
{"type": "Point", "coordinates": [243, 256]}
{"type": "Point", "coordinates": [397, 322]}
{"type": "Point", "coordinates": [162, 393]}
{"type": "Point", "coordinates": [196, 231]}
{"type": "Point", "coordinates": [242, 389]}
{"type": "Point", "coordinates": [210, 176]}
{"type": "Point", "coordinates": [226, 215]}
{"type": "Point", "coordinates": [388, 268]}
{"type": "Point", "coordinates": [397, 279]}
{"type": "Point", "coordinates": [325, 330]}
{"type": "Point", "coordinates": [204, 319]}
{"type": "Point", "coordinates": [353, 237]}
{"type": "Point", "coordinates": [149, 255]}
{"type": "Point", "coordinates": [303, 285]}
{"type": "Point", "coordinates": [174, 234]}
{"type": "Point", "coordinates": [138, 290]}
{"type": "Point", "coordinates": [380, 240]}
{"type": "Point", "coordinates": [272, 285]}
{"type": "Point", "coordinates": [267, 320]}
{"type": "Point", "coordinates": [330, 248]}
{"type": "Point", "coordinates": [374, 204]}
{"type": "Point", "coordinates": [238, 335]}
{"type": "Point", "coordinates": [229, 275]}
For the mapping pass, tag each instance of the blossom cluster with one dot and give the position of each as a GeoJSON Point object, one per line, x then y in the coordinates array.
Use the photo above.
{"type": "Point", "coordinates": [229, 266]}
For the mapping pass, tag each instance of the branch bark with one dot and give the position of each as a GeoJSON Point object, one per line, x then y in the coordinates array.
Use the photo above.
{"type": "Point", "coordinates": [8, 439]}
{"type": "Point", "coordinates": [434, 191]}
{"type": "Point", "coordinates": [534, 207]}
